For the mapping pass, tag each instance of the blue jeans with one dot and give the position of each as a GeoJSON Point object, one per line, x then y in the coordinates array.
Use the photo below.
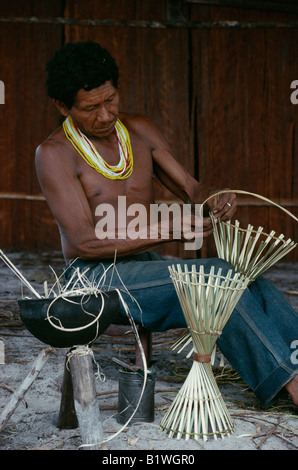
{"type": "Point", "coordinates": [256, 339]}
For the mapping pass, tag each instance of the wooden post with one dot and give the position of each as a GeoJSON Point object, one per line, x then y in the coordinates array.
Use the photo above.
{"type": "Point", "coordinates": [67, 415]}
{"type": "Point", "coordinates": [84, 393]}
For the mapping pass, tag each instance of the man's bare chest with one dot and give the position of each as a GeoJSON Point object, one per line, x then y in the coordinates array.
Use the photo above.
{"type": "Point", "coordinates": [100, 188]}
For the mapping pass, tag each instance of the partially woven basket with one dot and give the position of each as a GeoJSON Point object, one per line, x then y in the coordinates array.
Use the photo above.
{"type": "Point", "coordinates": [250, 252]}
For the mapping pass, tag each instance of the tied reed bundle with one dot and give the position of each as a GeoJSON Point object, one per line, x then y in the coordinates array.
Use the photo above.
{"type": "Point", "coordinates": [251, 252]}
{"type": "Point", "coordinates": [207, 301]}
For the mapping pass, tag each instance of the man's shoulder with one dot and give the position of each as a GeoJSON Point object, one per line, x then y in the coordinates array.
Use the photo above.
{"type": "Point", "coordinates": [136, 122]}
{"type": "Point", "coordinates": [54, 152]}
{"type": "Point", "coordinates": [53, 144]}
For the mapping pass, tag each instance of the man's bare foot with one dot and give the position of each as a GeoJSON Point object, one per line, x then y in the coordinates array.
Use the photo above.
{"type": "Point", "coordinates": [292, 388]}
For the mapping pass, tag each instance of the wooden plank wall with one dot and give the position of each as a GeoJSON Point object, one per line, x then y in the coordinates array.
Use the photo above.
{"type": "Point", "coordinates": [27, 118]}
{"type": "Point", "coordinates": [247, 125]}
{"type": "Point", "coordinates": [220, 94]}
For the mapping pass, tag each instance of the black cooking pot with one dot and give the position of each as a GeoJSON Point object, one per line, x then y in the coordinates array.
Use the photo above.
{"type": "Point", "coordinates": [85, 317]}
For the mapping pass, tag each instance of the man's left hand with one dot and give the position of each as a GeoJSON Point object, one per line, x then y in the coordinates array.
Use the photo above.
{"type": "Point", "coordinates": [224, 205]}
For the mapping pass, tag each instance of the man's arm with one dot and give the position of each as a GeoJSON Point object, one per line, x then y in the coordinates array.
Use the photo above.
{"type": "Point", "coordinates": [70, 207]}
{"type": "Point", "coordinates": [175, 177]}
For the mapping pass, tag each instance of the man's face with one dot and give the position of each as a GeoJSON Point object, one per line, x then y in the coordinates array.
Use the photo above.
{"type": "Point", "coordinates": [95, 112]}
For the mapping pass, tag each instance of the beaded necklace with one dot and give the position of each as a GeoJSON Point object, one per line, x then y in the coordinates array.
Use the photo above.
{"type": "Point", "coordinates": [89, 153]}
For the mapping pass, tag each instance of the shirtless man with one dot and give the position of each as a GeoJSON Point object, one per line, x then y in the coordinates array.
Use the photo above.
{"type": "Point", "coordinates": [83, 83]}
{"type": "Point", "coordinates": [67, 181]}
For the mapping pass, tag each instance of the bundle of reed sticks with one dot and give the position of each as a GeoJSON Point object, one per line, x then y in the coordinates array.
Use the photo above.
{"type": "Point", "coordinates": [78, 284]}
{"type": "Point", "coordinates": [251, 252]}
{"type": "Point", "coordinates": [207, 301]}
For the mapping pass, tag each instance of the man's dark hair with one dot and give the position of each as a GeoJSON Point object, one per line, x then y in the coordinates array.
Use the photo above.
{"type": "Point", "coordinates": [79, 65]}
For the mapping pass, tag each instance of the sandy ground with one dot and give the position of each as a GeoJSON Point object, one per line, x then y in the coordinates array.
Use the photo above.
{"type": "Point", "coordinates": [33, 425]}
